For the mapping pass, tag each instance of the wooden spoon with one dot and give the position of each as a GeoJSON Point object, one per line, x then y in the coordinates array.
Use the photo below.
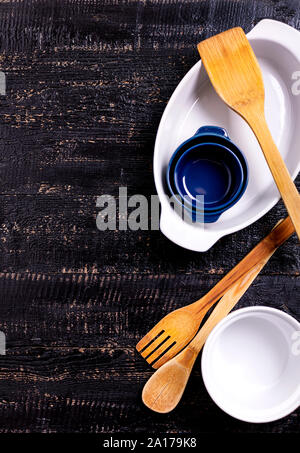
{"type": "Point", "coordinates": [236, 76]}
{"type": "Point", "coordinates": [164, 389]}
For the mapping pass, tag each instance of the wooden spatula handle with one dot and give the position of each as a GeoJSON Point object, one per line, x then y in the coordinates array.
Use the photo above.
{"type": "Point", "coordinates": [277, 166]}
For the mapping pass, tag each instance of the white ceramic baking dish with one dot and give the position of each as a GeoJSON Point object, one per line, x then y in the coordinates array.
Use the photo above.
{"type": "Point", "coordinates": [194, 103]}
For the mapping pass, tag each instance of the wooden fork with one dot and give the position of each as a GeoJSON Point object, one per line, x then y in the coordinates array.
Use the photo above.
{"type": "Point", "coordinates": [236, 76]}
{"type": "Point", "coordinates": [179, 327]}
{"type": "Point", "coordinates": [164, 389]}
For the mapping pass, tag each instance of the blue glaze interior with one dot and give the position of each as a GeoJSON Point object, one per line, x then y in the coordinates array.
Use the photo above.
{"type": "Point", "coordinates": [211, 170]}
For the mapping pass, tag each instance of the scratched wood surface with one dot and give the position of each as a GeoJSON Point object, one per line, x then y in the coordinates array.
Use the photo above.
{"type": "Point", "coordinates": [87, 82]}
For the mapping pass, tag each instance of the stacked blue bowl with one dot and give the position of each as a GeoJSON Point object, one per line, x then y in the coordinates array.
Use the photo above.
{"type": "Point", "coordinates": [207, 174]}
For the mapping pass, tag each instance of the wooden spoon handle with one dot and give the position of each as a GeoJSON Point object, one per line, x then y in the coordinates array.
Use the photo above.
{"type": "Point", "coordinates": [268, 245]}
{"type": "Point", "coordinates": [228, 301]}
{"type": "Point", "coordinates": [280, 173]}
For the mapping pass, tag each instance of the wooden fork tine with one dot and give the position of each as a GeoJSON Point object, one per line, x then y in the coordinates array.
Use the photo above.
{"type": "Point", "coordinates": [167, 345]}
{"type": "Point", "coordinates": [149, 338]}
{"type": "Point", "coordinates": [160, 340]}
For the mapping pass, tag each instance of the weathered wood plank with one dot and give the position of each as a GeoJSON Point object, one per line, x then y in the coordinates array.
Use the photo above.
{"type": "Point", "coordinates": [88, 310]}
{"type": "Point", "coordinates": [57, 233]}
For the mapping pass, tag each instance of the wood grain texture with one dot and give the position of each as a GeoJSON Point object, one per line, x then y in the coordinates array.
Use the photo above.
{"type": "Point", "coordinates": [87, 82]}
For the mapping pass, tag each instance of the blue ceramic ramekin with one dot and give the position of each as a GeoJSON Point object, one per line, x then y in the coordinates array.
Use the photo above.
{"type": "Point", "coordinates": [207, 174]}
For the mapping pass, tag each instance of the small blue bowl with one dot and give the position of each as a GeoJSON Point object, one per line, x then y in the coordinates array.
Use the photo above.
{"type": "Point", "coordinates": [210, 165]}
{"type": "Point", "coordinates": [212, 171]}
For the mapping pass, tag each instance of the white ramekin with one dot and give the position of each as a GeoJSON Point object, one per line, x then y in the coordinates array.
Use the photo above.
{"type": "Point", "coordinates": [251, 364]}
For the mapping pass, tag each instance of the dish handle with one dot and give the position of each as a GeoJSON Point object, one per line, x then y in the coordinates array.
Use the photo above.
{"type": "Point", "coordinates": [198, 238]}
{"type": "Point", "coordinates": [278, 32]}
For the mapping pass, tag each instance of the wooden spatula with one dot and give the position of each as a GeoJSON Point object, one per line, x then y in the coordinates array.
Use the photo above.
{"type": "Point", "coordinates": [236, 76]}
{"type": "Point", "coordinates": [179, 327]}
{"type": "Point", "coordinates": [164, 389]}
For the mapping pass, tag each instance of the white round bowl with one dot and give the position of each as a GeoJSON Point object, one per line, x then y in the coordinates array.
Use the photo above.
{"type": "Point", "coordinates": [251, 364]}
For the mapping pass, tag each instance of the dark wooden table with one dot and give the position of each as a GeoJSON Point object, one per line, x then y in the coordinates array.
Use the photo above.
{"type": "Point", "coordinates": [87, 82]}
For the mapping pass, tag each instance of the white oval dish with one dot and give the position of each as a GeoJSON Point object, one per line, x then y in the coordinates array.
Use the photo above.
{"type": "Point", "coordinates": [194, 103]}
{"type": "Point", "coordinates": [251, 364]}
